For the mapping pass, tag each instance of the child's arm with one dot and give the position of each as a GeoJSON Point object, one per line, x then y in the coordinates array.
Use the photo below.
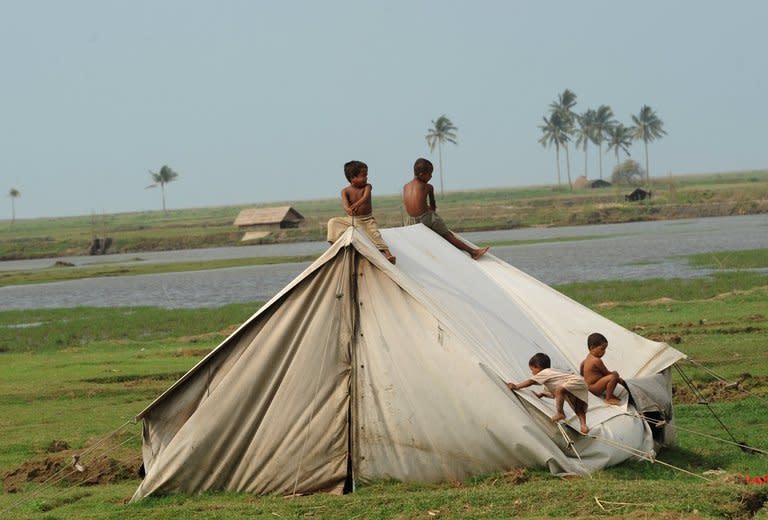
{"type": "Point", "coordinates": [345, 202]}
{"type": "Point", "coordinates": [524, 384]}
{"type": "Point", "coordinates": [527, 383]}
{"type": "Point", "coordinates": [352, 207]}
{"type": "Point", "coordinates": [431, 197]}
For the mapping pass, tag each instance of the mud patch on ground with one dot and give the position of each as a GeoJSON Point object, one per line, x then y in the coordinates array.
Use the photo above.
{"type": "Point", "coordinates": [134, 379]}
{"type": "Point", "coordinates": [194, 352]}
{"type": "Point", "coordinates": [744, 387]}
{"type": "Point", "coordinates": [753, 502]}
{"type": "Point", "coordinates": [66, 469]}
{"type": "Point", "coordinates": [57, 446]}
{"type": "Point", "coordinates": [208, 337]}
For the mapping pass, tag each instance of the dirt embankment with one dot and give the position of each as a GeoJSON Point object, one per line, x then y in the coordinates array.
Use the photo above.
{"type": "Point", "coordinates": [63, 465]}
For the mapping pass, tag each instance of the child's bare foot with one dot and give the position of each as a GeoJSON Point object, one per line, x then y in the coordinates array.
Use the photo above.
{"type": "Point", "coordinates": [479, 252]}
{"type": "Point", "coordinates": [584, 428]}
{"type": "Point", "coordinates": [612, 400]}
{"type": "Point", "coordinates": [559, 416]}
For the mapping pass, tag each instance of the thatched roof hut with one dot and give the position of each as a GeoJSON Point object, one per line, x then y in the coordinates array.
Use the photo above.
{"type": "Point", "coordinates": [262, 218]}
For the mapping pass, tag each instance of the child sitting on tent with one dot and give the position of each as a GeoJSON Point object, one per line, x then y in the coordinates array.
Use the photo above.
{"type": "Point", "coordinates": [356, 199]}
{"type": "Point", "coordinates": [560, 386]}
{"type": "Point", "coordinates": [600, 381]}
{"type": "Point", "coordinates": [419, 200]}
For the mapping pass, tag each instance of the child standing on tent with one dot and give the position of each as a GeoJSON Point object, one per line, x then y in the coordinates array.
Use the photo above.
{"type": "Point", "coordinates": [419, 200]}
{"type": "Point", "coordinates": [600, 381]}
{"type": "Point", "coordinates": [356, 199]}
{"type": "Point", "coordinates": [561, 386]}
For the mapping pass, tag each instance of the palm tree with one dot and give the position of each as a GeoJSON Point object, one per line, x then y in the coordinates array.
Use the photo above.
{"type": "Point", "coordinates": [601, 125]}
{"type": "Point", "coordinates": [14, 194]}
{"type": "Point", "coordinates": [619, 138]}
{"type": "Point", "coordinates": [648, 127]}
{"type": "Point", "coordinates": [442, 130]}
{"type": "Point", "coordinates": [564, 106]}
{"type": "Point", "coordinates": [584, 134]}
{"type": "Point", "coordinates": [161, 178]}
{"type": "Point", "coordinates": [553, 133]}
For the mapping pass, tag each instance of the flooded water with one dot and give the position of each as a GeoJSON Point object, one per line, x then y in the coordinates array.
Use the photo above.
{"type": "Point", "coordinates": [611, 251]}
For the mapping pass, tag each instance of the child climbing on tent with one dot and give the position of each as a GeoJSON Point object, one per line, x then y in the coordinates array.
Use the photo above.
{"type": "Point", "coordinates": [561, 386]}
{"type": "Point", "coordinates": [600, 381]}
{"type": "Point", "coordinates": [419, 200]}
{"type": "Point", "coordinates": [356, 199]}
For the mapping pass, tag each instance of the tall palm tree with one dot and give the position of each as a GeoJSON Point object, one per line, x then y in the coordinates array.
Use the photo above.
{"type": "Point", "coordinates": [584, 134]}
{"type": "Point", "coordinates": [619, 138]}
{"type": "Point", "coordinates": [442, 130]}
{"type": "Point", "coordinates": [553, 134]}
{"type": "Point", "coordinates": [648, 127]}
{"type": "Point", "coordinates": [161, 178]}
{"type": "Point", "coordinates": [564, 106]}
{"type": "Point", "coordinates": [14, 194]}
{"type": "Point", "coordinates": [603, 122]}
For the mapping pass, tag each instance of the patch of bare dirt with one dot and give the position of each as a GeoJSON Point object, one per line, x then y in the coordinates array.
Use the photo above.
{"type": "Point", "coordinates": [517, 475]}
{"type": "Point", "coordinates": [66, 468]}
{"type": "Point", "coordinates": [194, 352]}
{"type": "Point", "coordinates": [713, 391]}
{"type": "Point", "coordinates": [752, 502]}
{"type": "Point", "coordinates": [56, 446]}
{"type": "Point", "coordinates": [660, 301]}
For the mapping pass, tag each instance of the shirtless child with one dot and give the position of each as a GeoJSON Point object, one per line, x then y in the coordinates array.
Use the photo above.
{"type": "Point", "coordinates": [419, 200]}
{"type": "Point", "coordinates": [560, 385]}
{"type": "Point", "coordinates": [597, 376]}
{"type": "Point", "coordinates": [356, 199]}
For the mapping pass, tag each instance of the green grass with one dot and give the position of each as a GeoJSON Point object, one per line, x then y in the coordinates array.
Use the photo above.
{"type": "Point", "coordinates": [59, 274]}
{"type": "Point", "coordinates": [674, 197]}
{"type": "Point", "coordinates": [497, 243]}
{"type": "Point", "coordinates": [746, 259]}
{"type": "Point", "coordinates": [77, 374]}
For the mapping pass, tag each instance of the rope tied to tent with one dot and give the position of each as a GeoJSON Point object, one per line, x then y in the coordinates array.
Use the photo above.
{"type": "Point", "coordinates": [649, 456]}
{"type": "Point", "coordinates": [742, 446]}
{"type": "Point", "coordinates": [702, 400]}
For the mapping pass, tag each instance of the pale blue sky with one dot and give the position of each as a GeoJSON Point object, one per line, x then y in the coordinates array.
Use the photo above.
{"type": "Point", "coordinates": [264, 101]}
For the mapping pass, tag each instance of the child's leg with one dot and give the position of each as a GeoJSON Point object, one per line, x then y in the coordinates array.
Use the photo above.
{"type": "Point", "coordinates": [388, 255]}
{"type": "Point", "coordinates": [559, 397]}
{"type": "Point", "coordinates": [580, 408]}
{"type": "Point", "coordinates": [606, 384]}
{"type": "Point", "coordinates": [473, 252]}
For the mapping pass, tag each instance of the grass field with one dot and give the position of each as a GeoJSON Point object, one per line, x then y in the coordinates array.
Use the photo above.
{"type": "Point", "coordinates": [674, 197]}
{"type": "Point", "coordinates": [70, 376]}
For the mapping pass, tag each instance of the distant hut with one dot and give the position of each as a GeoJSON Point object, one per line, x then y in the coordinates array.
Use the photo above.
{"type": "Point", "coordinates": [600, 183]}
{"type": "Point", "coordinates": [260, 222]}
{"type": "Point", "coordinates": [581, 182]}
{"type": "Point", "coordinates": [637, 194]}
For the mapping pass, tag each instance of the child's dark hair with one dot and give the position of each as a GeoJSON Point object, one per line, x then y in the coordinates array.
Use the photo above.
{"type": "Point", "coordinates": [540, 360]}
{"type": "Point", "coordinates": [422, 165]}
{"type": "Point", "coordinates": [353, 169]}
{"type": "Point", "coordinates": [595, 340]}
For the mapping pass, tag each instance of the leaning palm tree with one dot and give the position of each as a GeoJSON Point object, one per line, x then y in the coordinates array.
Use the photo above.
{"type": "Point", "coordinates": [619, 138]}
{"type": "Point", "coordinates": [584, 134]}
{"type": "Point", "coordinates": [14, 194]}
{"type": "Point", "coordinates": [161, 178]}
{"type": "Point", "coordinates": [553, 134]}
{"type": "Point", "coordinates": [564, 106]}
{"type": "Point", "coordinates": [601, 125]}
{"type": "Point", "coordinates": [442, 130]}
{"type": "Point", "coordinates": [648, 127]}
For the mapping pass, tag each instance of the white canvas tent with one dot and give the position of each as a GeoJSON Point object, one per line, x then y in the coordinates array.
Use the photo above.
{"type": "Point", "coordinates": [361, 370]}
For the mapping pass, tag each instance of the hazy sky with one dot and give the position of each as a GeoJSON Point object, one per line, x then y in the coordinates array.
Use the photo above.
{"type": "Point", "coordinates": [252, 101]}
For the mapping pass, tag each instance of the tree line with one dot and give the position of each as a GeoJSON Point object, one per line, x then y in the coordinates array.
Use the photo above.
{"type": "Point", "coordinates": [563, 125]}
